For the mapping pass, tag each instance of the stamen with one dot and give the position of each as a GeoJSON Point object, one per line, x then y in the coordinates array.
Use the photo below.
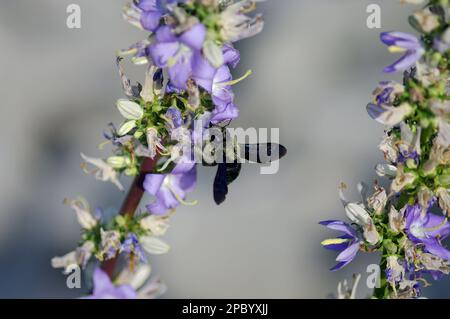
{"type": "Point", "coordinates": [396, 49]}
{"type": "Point", "coordinates": [101, 146]}
{"type": "Point", "coordinates": [334, 241]}
{"type": "Point", "coordinates": [182, 201]}
{"type": "Point", "coordinates": [164, 152]}
{"type": "Point", "coordinates": [166, 164]}
{"type": "Point", "coordinates": [438, 226]}
{"type": "Point", "coordinates": [242, 78]}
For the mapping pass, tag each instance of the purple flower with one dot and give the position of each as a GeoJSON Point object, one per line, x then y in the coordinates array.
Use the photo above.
{"type": "Point", "coordinates": [348, 244]}
{"type": "Point", "coordinates": [131, 246]}
{"type": "Point", "coordinates": [403, 157]}
{"type": "Point", "coordinates": [152, 12]}
{"type": "Point", "coordinates": [231, 56]}
{"type": "Point", "coordinates": [427, 230]}
{"type": "Point", "coordinates": [230, 112]}
{"type": "Point", "coordinates": [402, 42]}
{"type": "Point", "coordinates": [389, 115]}
{"type": "Point", "coordinates": [387, 92]}
{"type": "Point", "coordinates": [215, 80]}
{"type": "Point", "coordinates": [175, 117]}
{"type": "Point", "coordinates": [171, 189]}
{"type": "Point", "coordinates": [178, 52]}
{"type": "Point", "coordinates": [218, 83]}
{"type": "Point", "coordinates": [222, 96]}
{"type": "Point", "coordinates": [105, 289]}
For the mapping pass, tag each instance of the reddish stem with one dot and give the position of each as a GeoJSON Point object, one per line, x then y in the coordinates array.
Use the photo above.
{"type": "Point", "coordinates": [131, 203]}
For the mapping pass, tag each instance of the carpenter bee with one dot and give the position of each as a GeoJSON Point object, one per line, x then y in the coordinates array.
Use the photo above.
{"type": "Point", "coordinates": [228, 156]}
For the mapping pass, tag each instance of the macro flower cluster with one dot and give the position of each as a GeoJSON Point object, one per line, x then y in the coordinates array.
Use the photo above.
{"type": "Point", "coordinates": [188, 56]}
{"type": "Point", "coordinates": [407, 222]}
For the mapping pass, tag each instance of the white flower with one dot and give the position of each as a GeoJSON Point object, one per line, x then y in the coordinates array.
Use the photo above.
{"type": "Point", "coordinates": [83, 212]}
{"type": "Point", "coordinates": [427, 20]}
{"type": "Point", "coordinates": [443, 138]}
{"type": "Point", "coordinates": [134, 278]}
{"type": "Point", "coordinates": [65, 261]}
{"type": "Point", "coordinates": [378, 200]}
{"type": "Point", "coordinates": [147, 92]}
{"type": "Point", "coordinates": [370, 233]}
{"type": "Point", "coordinates": [154, 142]}
{"type": "Point", "coordinates": [154, 245]}
{"type": "Point", "coordinates": [356, 212]}
{"type": "Point", "coordinates": [444, 199]}
{"type": "Point", "coordinates": [389, 148]}
{"type": "Point", "coordinates": [427, 74]}
{"type": "Point", "coordinates": [84, 253]}
{"type": "Point", "coordinates": [140, 281]}
{"type": "Point", "coordinates": [397, 271]}
{"type": "Point", "coordinates": [235, 25]}
{"type": "Point", "coordinates": [152, 289]}
{"type": "Point", "coordinates": [343, 290]}
{"type": "Point", "coordinates": [102, 170]}
{"type": "Point", "coordinates": [396, 219]}
{"type": "Point", "coordinates": [434, 263]}
{"type": "Point", "coordinates": [402, 180]}
{"type": "Point", "coordinates": [80, 257]}
{"type": "Point", "coordinates": [407, 290]}
{"type": "Point", "coordinates": [359, 215]}
{"type": "Point", "coordinates": [424, 197]}
{"type": "Point", "coordinates": [110, 241]}
{"type": "Point", "coordinates": [440, 151]}
{"type": "Point", "coordinates": [410, 142]}
{"type": "Point", "coordinates": [155, 224]}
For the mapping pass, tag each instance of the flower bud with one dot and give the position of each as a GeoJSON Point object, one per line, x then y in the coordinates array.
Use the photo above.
{"type": "Point", "coordinates": [384, 170]}
{"type": "Point", "coordinates": [84, 216]}
{"type": "Point", "coordinates": [126, 128]}
{"type": "Point", "coordinates": [130, 110]}
{"type": "Point", "coordinates": [357, 214]}
{"type": "Point", "coordinates": [118, 162]}
{"type": "Point", "coordinates": [390, 246]}
{"type": "Point", "coordinates": [155, 224]}
{"type": "Point", "coordinates": [154, 245]}
{"type": "Point", "coordinates": [444, 180]}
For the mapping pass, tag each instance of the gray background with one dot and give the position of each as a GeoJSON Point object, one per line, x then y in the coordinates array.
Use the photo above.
{"type": "Point", "coordinates": [315, 67]}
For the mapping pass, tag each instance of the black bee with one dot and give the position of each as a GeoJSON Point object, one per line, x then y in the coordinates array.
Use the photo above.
{"type": "Point", "coordinates": [231, 158]}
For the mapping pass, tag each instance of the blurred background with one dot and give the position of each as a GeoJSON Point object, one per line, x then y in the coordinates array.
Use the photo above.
{"type": "Point", "coordinates": [315, 66]}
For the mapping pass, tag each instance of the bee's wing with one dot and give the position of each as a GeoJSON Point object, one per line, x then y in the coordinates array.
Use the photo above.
{"type": "Point", "coordinates": [262, 153]}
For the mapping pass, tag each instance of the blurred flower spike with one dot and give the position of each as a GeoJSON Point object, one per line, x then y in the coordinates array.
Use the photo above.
{"type": "Point", "coordinates": [408, 222]}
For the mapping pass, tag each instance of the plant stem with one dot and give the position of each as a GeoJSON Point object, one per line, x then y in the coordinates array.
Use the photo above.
{"type": "Point", "coordinates": [131, 203]}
